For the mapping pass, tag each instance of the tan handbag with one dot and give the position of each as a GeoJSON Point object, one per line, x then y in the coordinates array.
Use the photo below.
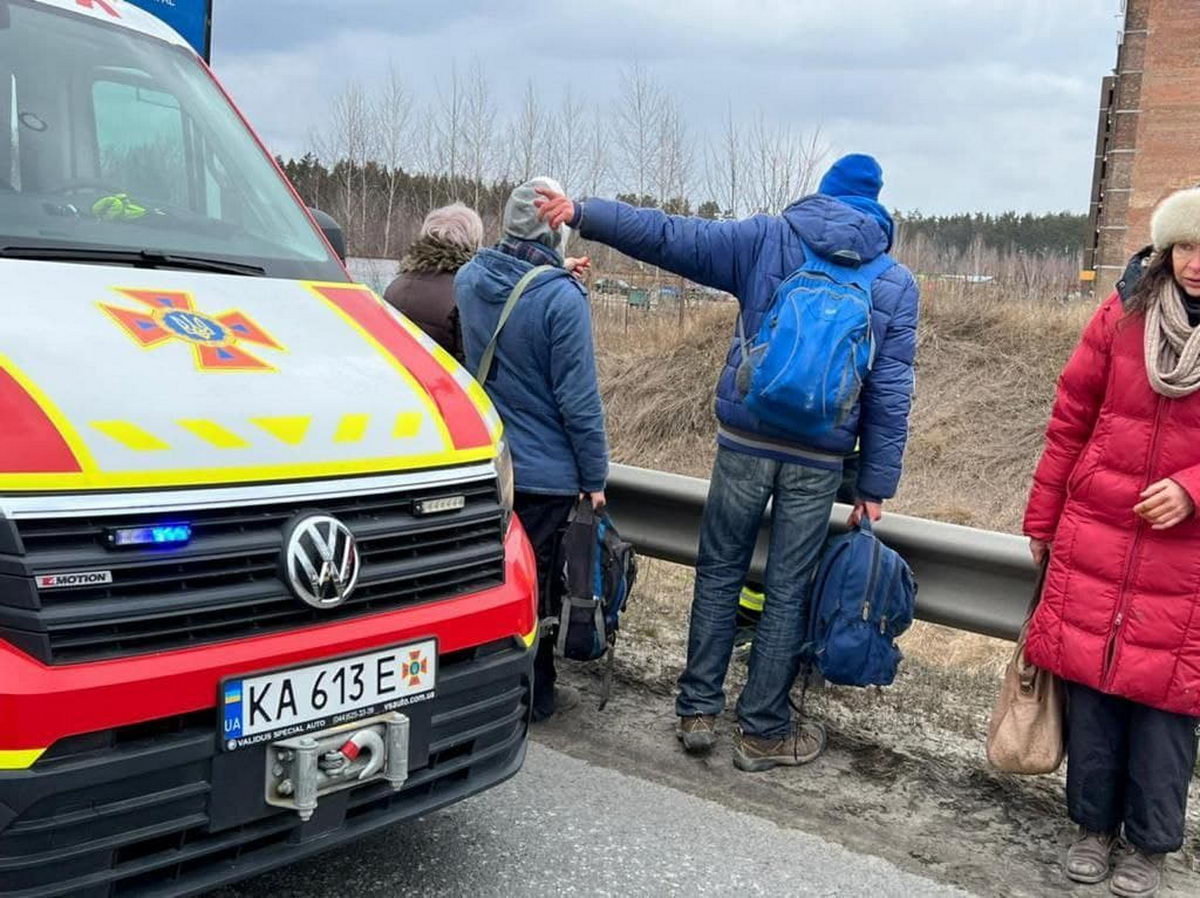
{"type": "Point", "coordinates": [1027, 734]}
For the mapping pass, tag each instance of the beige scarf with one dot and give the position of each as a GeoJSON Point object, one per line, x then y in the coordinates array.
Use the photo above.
{"type": "Point", "coordinates": [1172, 345]}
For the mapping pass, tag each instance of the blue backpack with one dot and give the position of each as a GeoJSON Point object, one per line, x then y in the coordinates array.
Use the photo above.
{"type": "Point", "coordinates": [595, 571]}
{"type": "Point", "coordinates": [864, 596]}
{"type": "Point", "coordinates": [805, 369]}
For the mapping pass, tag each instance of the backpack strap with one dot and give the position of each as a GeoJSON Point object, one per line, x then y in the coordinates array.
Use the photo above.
{"type": "Point", "coordinates": [489, 354]}
{"type": "Point", "coordinates": [862, 276]}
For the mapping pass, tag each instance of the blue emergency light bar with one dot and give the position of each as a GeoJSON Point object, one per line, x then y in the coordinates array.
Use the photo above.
{"type": "Point", "coordinates": [191, 18]}
{"type": "Point", "coordinates": [162, 535]}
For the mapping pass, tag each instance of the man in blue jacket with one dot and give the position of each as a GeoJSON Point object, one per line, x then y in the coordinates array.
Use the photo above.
{"type": "Point", "coordinates": [755, 464]}
{"type": "Point", "coordinates": [543, 384]}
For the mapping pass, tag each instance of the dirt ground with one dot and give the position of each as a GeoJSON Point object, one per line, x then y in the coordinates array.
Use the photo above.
{"type": "Point", "coordinates": [904, 776]}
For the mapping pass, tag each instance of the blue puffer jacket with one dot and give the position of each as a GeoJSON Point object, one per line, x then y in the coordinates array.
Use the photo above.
{"type": "Point", "coordinates": [749, 258]}
{"type": "Point", "coordinates": [543, 379]}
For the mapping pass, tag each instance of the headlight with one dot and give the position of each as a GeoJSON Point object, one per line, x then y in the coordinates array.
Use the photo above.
{"type": "Point", "coordinates": [504, 478]}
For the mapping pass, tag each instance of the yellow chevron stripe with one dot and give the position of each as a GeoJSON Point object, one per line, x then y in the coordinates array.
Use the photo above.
{"type": "Point", "coordinates": [290, 429]}
{"type": "Point", "coordinates": [214, 433]}
{"type": "Point", "coordinates": [528, 639]}
{"type": "Point", "coordinates": [352, 428]}
{"type": "Point", "coordinates": [408, 424]}
{"type": "Point", "coordinates": [19, 759]}
{"type": "Point", "coordinates": [130, 436]}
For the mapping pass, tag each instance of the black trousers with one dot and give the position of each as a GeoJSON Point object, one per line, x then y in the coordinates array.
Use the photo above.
{"type": "Point", "coordinates": [1128, 764]}
{"type": "Point", "coordinates": [543, 518]}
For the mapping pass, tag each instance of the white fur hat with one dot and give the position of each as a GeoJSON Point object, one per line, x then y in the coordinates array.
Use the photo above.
{"type": "Point", "coordinates": [1176, 220]}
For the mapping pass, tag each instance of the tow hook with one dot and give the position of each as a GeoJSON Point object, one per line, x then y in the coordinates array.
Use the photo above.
{"type": "Point", "coordinates": [302, 769]}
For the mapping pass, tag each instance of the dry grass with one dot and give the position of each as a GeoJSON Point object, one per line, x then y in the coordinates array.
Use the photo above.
{"type": "Point", "coordinates": [986, 369]}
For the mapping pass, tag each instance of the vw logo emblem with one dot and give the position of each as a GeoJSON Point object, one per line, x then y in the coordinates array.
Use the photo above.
{"type": "Point", "coordinates": [320, 560]}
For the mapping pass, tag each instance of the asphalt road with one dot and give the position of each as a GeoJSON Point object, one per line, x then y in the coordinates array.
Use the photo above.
{"type": "Point", "coordinates": [565, 827]}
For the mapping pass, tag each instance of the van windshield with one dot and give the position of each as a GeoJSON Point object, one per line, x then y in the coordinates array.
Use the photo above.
{"type": "Point", "coordinates": [111, 140]}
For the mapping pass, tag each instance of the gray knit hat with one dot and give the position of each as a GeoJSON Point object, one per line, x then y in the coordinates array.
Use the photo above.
{"type": "Point", "coordinates": [521, 217]}
{"type": "Point", "coordinates": [1177, 219]}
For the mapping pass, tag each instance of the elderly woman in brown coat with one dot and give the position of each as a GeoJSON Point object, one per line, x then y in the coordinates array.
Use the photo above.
{"type": "Point", "coordinates": [424, 291]}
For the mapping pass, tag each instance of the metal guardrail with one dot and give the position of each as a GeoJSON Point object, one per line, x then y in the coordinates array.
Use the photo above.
{"type": "Point", "coordinates": [968, 579]}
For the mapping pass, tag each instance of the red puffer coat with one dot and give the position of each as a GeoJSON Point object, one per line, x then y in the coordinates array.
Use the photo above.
{"type": "Point", "coordinates": [1121, 610]}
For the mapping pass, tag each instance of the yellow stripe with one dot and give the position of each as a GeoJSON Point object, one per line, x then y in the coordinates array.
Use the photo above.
{"type": "Point", "coordinates": [352, 428]}
{"type": "Point", "coordinates": [408, 424]}
{"type": "Point", "coordinates": [404, 373]}
{"type": "Point", "coordinates": [98, 480]}
{"type": "Point", "coordinates": [528, 639]}
{"type": "Point", "coordinates": [62, 424]}
{"type": "Point", "coordinates": [214, 433]}
{"type": "Point", "coordinates": [290, 429]}
{"type": "Point", "coordinates": [19, 759]}
{"type": "Point", "coordinates": [130, 436]}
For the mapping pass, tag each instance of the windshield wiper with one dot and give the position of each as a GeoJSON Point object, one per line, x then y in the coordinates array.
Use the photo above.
{"type": "Point", "coordinates": [138, 258]}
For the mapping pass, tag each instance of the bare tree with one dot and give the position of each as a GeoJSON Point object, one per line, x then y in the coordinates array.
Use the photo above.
{"type": "Point", "coordinates": [672, 157]}
{"type": "Point", "coordinates": [596, 152]}
{"type": "Point", "coordinates": [565, 152]}
{"type": "Point", "coordinates": [427, 155]}
{"type": "Point", "coordinates": [449, 123]}
{"type": "Point", "coordinates": [346, 147]}
{"type": "Point", "coordinates": [479, 130]}
{"type": "Point", "coordinates": [637, 111]}
{"type": "Point", "coordinates": [724, 160]}
{"type": "Point", "coordinates": [393, 111]}
{"type": "Point", "coordinates": [783, 164]}
{"type": "Point", "coordinates": [527, 136]}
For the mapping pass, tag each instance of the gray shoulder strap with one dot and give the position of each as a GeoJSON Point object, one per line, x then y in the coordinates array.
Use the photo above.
{"type": "Point", "coordinates": [489, 354]}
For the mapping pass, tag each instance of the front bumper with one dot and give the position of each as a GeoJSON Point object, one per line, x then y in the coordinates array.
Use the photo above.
{"type": "Point", "coordinates": [129, 794]}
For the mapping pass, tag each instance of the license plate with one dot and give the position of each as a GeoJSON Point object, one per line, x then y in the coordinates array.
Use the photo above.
{"type": "Point", "coordinates": [284, 703]}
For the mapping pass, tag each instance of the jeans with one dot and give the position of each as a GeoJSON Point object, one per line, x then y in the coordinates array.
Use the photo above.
{"type": "Point", "coordinates": [802, 498]}
{"type": "Point", "coordinates": [544, 518]}
{"type": "Point", "coordinates": [1130, 764]}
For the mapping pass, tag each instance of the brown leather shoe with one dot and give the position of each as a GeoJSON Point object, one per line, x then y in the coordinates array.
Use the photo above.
{"type": "Point", "coordinates": [803, 744]}
{"type": "Point", "coordinates": [698, 734]}
{"type": "Point", "coordinates": [1089, 857]}
{"type": "Point", "coordinates": [1137, 874]}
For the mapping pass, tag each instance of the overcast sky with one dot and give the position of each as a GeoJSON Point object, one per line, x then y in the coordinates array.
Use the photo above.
{"type": "Point", "coordinates": [969, 104]}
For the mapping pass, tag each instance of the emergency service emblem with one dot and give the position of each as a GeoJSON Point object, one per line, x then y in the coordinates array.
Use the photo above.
{"type": "Point", "coordinates": [218, 342]}
{"type": "Point", "coordinates": [415, 668]}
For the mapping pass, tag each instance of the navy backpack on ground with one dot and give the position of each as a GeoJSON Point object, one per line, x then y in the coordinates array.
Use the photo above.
{"type": "Point", "coordinates": [595, 571]}
{"type": "Point", "coordinates": [863, 598]}
{"type": "Point", "coordinates": [804, 371]}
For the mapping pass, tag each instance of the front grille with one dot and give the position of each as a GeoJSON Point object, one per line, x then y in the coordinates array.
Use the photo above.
{"type": "Point", "coordinates": [225, 583]}
{"type": "Point", "coordinates": [133, 811]}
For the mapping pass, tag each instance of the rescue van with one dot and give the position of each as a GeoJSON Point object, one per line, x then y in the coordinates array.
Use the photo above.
{"type": "Point", "coordinates": [261, 588]}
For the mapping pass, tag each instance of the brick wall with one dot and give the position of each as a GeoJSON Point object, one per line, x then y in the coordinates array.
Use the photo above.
{"type": "Point", "coordinates": [1149, 141]}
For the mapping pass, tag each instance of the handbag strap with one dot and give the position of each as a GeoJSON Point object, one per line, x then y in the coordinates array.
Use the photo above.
{"type": "Point", "coordinates": [489, 354]}
{"type": "Point", "coordinates": [1026, 671]}
{"type": "Point", "coordinates": [1036, 599]}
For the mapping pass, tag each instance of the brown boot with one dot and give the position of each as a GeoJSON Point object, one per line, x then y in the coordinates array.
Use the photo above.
{"type": "Point", "coordinates": [1089, 857]}
{"type": "Point", "coordinates": [804, 743]}
{"type": "Point", "coordinates": [1137, 874]}
{"type": "Point", "coordinates": [698, 734]}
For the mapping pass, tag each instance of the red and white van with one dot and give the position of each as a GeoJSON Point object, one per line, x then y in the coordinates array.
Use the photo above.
{"type": "Point", "coordinates": [261, 590]}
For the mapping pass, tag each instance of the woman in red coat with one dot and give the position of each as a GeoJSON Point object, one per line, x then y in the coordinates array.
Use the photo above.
{"type": "Point", "coordinates": [1113, 508]}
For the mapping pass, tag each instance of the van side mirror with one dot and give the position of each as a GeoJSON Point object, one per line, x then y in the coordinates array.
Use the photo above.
{"type": "Point", "coordinates": [332, 231]}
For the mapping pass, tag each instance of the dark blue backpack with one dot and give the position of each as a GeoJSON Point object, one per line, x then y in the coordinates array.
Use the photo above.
{"type": "Point", "coordinates": [864, 596]}
{"type": "Point", "coordinates": [595, 571]}
{"type": "Point", "coordinates": [804, 371]}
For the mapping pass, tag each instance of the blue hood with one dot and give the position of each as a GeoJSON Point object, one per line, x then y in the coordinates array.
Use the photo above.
{"type": "Point", "coordinates": [856, 180]}
{"type": "Point", "coordinates": [831, 226]}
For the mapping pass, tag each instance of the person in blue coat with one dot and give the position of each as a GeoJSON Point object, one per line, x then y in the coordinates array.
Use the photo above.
{"type": "Point", "coordinates": [543, 384]}
{"type": "Point", "coordinates": [755, 464]}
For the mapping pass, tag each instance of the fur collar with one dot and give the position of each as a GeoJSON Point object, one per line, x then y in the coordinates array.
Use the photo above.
{"type": "Point", "coordinates": [429, 255]}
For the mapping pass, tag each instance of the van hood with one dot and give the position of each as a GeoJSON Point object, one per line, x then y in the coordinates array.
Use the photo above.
{"type": "Point", "coordinates": [119, 378]}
